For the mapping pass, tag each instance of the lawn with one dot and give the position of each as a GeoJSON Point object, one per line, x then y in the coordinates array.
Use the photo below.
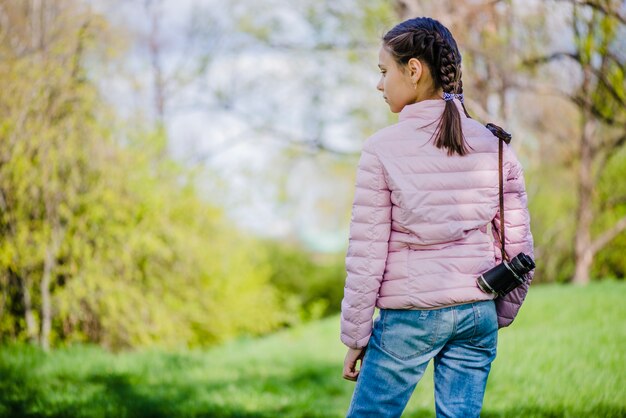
{"type": "Point", "coordinates": [563, 357]}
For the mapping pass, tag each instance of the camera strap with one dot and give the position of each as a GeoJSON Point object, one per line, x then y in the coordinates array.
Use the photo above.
{"type": "Point", "coordinates": [501, 193]}
{"type": "Point", "coordinates": [503, 137]}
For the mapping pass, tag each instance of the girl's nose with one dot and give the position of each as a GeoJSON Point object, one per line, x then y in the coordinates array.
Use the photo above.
{"type": "Point", "coordinates": [379, 86]}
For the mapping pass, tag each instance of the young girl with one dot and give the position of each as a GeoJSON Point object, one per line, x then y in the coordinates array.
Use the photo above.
{"type": "Point", "coordinates": [420, 235]}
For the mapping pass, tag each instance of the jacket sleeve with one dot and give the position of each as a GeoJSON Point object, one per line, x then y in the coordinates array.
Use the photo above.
{"type": "Point", "coordinates": [518, 236]}
{"type": "Point", "coordinates": [370, 227]}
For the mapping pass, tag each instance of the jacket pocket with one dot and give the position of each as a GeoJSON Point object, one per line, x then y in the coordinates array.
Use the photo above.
{"type": "Point", "coordinates": [408, 333]}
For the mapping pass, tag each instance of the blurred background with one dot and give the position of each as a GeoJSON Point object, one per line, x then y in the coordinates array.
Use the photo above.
{"type": "Point", "coordinates": [178, 173]}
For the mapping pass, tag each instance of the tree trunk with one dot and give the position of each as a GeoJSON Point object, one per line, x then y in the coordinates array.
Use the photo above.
{"type": "Point", "coordinates": [46, 305]}
{"type": "Point", "coordinates": [155, 48]}
{"type": "Point", "coordinates": [50, 263]}
{"type": "Point", "coordinates": [584, 250]}
{"type": "Point", "coordinates": [4, 285]}
{"type": "Point", "coordinates": [31, 325]}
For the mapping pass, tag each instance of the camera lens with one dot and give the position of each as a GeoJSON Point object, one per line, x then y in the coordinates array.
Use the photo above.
{"type": "Point", "coordinates": [522, 264]}
{"type": "Point", "coordinates": [506, 276]}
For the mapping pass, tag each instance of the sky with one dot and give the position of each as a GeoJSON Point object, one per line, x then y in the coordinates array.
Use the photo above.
{"type": "Point", "coordinates": [241, 117]}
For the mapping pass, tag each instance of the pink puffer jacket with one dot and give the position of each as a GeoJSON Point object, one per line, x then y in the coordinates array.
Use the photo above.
{"type": "Point", "coordinates": [424, 224]}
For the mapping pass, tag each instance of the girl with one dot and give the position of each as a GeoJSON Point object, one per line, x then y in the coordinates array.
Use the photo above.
{"type": "Point", "coordinates": [425, 223]}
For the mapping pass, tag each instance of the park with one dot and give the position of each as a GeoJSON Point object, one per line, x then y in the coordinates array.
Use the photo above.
{"type": "Point", "coordinates": [176, 188]}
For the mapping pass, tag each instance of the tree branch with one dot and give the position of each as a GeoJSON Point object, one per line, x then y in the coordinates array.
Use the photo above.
{"type": "Point", "coordinates": [549, 58]}
{"type": "Point", "coordinates": [606, 150]}
{"type": "Point", "coordinates": [610, 88]}
{"type": "Point", "coordinates": [599, 7]}
{"type": "Point", "coordinates": [311, 144]}
{"type": "Point", "coordinates": [78, 54]}
{"type": "Point", "coordinates": [616, 60]}
{"type": "Point", "coordinates": [581, 101]}
{"type": "Point", "coordinates": [576, 57]}
{"type": "Point", "coordinates": [619, 142]}
{"type": "Point", "coordinates": [608, 235]}
{"type": "Point", "coordinates": [612, 202]}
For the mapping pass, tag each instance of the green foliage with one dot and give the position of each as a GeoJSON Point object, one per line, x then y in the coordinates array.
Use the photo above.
{"type": "Point", "coordinates": [555, 223]}
{"type": "Point", "coordinates": [552, 204]}
{"type": "Point", "coordinates": [48, 141]}
{"type": "Point", "coordinates": [562, 357]}
{"type": "Point", "coordinates": [181, 277]}
{"type": "Point", "coordinates": [553, 211]}
{"type": "Point", "coordinates": [609, 96]}
{"type": "Point", "coordinates": [142, 260]}
{"type": "Point", "coordinates": [611, 193]}
{"type": "Point", "coordinates": [309, 288]}
{"type": "Point", "coordinates": [135, 256]}
{"type": "Point", "coordinates": [96, 217]}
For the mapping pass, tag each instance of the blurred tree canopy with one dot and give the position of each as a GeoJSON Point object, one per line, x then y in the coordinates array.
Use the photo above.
{"type": "Point", "coordinates": [103, 239]}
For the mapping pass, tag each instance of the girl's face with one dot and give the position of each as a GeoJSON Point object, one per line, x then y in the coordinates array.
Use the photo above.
{"type": "Point", "coordinates": [395, 82]}
{"type": "Point", "coordinates": [404, 85]}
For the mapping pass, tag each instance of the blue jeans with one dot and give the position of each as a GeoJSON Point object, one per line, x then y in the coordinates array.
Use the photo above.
{"type": "Point", "coordinates": [462, 339]}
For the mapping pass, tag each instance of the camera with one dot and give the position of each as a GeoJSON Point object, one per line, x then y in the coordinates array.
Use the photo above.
{"type": "Point", "coordinates": [506, 276]}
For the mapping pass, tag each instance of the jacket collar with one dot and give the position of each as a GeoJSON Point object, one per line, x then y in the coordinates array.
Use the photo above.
{"type": "Point", "coordinates": [428, 110]}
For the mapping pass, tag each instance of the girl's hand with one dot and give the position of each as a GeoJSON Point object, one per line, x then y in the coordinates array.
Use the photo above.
{"type": "Point", "coordinates": [349, 364]}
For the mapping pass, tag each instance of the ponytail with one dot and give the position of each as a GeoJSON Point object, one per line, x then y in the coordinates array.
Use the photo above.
{"type": "Point", "coordinates": [449, 133]}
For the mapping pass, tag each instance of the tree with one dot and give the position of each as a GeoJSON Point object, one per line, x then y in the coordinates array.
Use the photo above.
{"type": "Point", "coordinates": [46, 113]}
{"type": "Point", "coordinates": [600, 98]}
{"type": "Point", "coordinates": [102, 237]}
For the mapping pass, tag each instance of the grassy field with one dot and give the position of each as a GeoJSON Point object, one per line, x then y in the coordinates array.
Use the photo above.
{"type": "Point", "coordinates": [565, 356]}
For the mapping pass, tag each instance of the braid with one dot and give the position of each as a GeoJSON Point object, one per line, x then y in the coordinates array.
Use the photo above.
{"type": "Point", "coordinates": [459, 90]}
{"type": "Point", "coordinates": [459, 87]}
{"type": "Point", "coordinates": [427, 44]}
{"type": "Point", "coordinates": [450, 72]}
{"type": "Point", "coordinates": [449, 67]}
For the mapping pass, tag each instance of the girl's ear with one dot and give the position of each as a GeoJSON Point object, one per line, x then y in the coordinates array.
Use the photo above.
{"type": "Point", "coordinates": [415, 69]}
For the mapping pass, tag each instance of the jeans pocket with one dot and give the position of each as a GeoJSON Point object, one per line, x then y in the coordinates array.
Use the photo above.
{"type": "Point", "coordinates": [408, 333]}
{"type": "Point", "coordinates": [485, 325]}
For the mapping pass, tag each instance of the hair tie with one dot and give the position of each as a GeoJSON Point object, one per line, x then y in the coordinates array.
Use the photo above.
{"type": "Point", "coordinates": [452, 96]}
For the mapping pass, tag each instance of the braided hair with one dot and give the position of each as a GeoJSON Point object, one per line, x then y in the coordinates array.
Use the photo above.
{"type": "Point", "coordinates": [432, 43]}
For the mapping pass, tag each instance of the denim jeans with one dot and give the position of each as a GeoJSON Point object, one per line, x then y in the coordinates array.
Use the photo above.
{"type": "Point", "coordinates": [462, 340]}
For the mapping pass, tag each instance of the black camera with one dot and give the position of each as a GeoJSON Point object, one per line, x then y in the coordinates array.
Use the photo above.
{"type": "Point", "coordinates": [507, 275]}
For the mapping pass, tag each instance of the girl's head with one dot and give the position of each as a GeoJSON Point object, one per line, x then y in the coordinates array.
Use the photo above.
{"type": "Point", "coordinates": [419, 60]}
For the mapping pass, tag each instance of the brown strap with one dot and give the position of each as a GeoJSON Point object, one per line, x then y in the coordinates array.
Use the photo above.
{"type": "Point", "coordinates": [501, 190]}
{"type": "Point", "coordinates": [503, 137]}
{"type": "Point", "coordinates": [499, 132]}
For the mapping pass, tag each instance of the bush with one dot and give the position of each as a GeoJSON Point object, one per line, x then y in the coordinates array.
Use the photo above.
{"type": "Point", "coordinates": [310, 285]}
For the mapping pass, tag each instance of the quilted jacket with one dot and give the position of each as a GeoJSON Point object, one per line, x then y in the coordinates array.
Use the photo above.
{"type": "Point", "coordinates": [424, 224]}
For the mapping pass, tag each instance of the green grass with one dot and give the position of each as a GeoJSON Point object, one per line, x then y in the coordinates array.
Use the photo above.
{"type": "Point", "coordinates": [564, 357]}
